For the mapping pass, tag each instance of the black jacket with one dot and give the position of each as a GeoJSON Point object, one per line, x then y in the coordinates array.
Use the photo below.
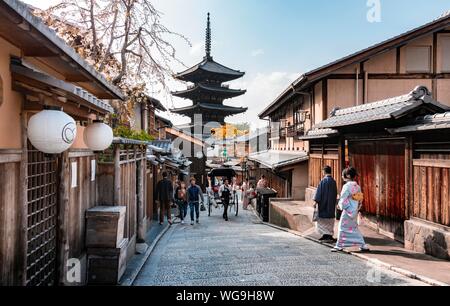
{"type": "Point", "coordinates": [326, 196]}
{"type": "Point", "coordinates": [164, 191]}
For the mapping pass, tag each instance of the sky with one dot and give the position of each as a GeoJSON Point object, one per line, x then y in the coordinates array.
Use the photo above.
{"type": "Point", "coordinates": [275, 41]}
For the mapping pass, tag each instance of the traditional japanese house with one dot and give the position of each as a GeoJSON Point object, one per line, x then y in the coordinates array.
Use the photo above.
{"type": "Point", "coordinates": [428, 228]}
{"type": "Point", "coordinates": [208, 92]}
{"type": "Point", "coordinates": [43, 198]}
{"type": "Point", "coordinates": [388, 69]}
{"type": "Point", "coordinates": [193, 149]}
{"type": "Point", "coordinates": [361, 137]}
{"type": "Point", "coordinates": [145, 117]}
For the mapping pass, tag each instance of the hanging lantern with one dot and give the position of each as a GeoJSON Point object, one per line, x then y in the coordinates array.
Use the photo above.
{"type": "Point", "coordinates": [98, 136]}
{"type": "Point", "coordinates": [52, 131]}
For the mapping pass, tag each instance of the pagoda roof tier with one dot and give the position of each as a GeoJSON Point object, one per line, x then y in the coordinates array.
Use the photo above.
{"type": "Point", "coordinates": [208, 69]}
{"type": "Point", "coordinates": [202, 90]}
{"type": "Point", "coordinates": [199, 108]}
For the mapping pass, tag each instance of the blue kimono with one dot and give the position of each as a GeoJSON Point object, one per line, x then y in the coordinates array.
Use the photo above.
{"type": "Point", "coordinates": [349, 234]}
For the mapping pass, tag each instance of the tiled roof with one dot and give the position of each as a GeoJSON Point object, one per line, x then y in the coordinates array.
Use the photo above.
{"type": "Point", "coordinates": [212, 107]}
{"type": "Point", "coordinates": [319, 133]}
{"type": "Point", "coordinates": [211, 66]}
{"type": "Point", "coordinates": [277, 159]}
{"type": "Point", "coordinates": [381, 110]}
{"type": "Point", "coordinates": [426, 123]}
{"type": "Point", "coordinates": [164, 145]}
{"type": "Point", "coordinates": [201, 88]}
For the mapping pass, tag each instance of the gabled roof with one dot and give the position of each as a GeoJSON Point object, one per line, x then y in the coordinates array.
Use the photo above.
{"type": "Point", "coordinates": [209, 66]}
{"type": "Point", "coordinates": [165, 120]}
{"type": "Point", "coordinates": [426, 123]}
{"type": "Point", "coordinates": [156, 104]}
{"type": "Point", "coordinates": [393, 108]}
{"type": "Point", "coordinates": [26, 31]}
{"type": "Point", "coordinates": [317, 74]}
{"type": "Point", "coordinates": [200, 89]}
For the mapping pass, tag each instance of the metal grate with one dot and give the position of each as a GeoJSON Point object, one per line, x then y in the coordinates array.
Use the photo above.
{"type": "Point", "coordinates": [42, 218]}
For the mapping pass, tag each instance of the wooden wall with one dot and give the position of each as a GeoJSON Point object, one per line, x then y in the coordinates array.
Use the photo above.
{"type": "Point", "coordinates": [432, 189]}
{"type": "Point", "coordinates": [275, 182]}
{"type": "Point", "coordinates": [316, 165]}
{"type": "Point", "coordinates": [381, 166]}
{"type": "Point", "coordinates": [81, 198]}
{"type": "Point", "coordinates": [11, 268]}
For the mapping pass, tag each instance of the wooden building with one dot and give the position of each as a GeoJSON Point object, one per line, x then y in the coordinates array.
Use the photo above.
{"type": "Point", "coordinates": [43, 198]}
{"type": "Point", "coordinates": [388, 69]}
{"type": "Point", "coordinates": [428, 228]}
{"type": "Point", "coordinates": [362, 137]}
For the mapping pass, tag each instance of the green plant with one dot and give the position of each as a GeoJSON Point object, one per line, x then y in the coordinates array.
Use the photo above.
{"type": "Point", "coordinates": [125, 132]}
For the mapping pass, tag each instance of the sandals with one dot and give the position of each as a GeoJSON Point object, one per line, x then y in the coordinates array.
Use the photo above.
{"type": "Point", "coordinates": [337, 250]}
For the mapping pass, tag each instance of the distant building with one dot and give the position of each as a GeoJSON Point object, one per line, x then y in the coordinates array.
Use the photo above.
{"type": "Point", "coordinates": [208, 92]}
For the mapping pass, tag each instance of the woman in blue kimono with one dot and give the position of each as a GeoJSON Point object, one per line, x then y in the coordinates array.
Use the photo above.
{"type": "Point", "coordinates": [350, 204]}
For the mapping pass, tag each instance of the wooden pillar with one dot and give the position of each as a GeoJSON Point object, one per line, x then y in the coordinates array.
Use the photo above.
{"type": "Point", "coordinates": [63, 216]}
{"type": "Point", "coordinates": [23, 199]}
{"type": "Point", "coordinates": [117, 191]}
{"type": "Point", "coordinates": [141, 169]}
{"type": "Point", "coordinates": [409, 176]}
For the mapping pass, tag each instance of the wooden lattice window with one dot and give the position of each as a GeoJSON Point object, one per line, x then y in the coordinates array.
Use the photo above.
{"type": "Point", "coordinates": [42, 218]}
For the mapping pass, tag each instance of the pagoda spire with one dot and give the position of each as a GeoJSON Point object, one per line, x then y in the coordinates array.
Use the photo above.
{"type": "Point", "coordinates": [208, 38]}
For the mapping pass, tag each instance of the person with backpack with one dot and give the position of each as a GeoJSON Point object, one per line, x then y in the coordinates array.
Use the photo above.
{"type": "Point", "coordinates": [194, 197]}
{"type": "Point", "coordinates": [225, 194]}
{"type": "Point", "coordinates": [181, 200]}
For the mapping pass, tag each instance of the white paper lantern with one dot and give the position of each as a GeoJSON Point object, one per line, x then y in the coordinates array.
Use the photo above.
{"type": "Point", "coordinates": [98, 136]}
{"type": "Point", "coordinates": [52, 131]}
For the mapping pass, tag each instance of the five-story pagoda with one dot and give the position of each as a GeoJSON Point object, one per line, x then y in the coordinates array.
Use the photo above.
{"type": "Point", "coordinates": [208, 91]}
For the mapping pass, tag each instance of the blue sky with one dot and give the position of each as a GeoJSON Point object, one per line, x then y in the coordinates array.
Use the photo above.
{"type": "Point", "coordinates": [275, 41]}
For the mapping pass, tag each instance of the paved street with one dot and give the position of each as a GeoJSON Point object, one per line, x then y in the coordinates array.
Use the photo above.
{"type": "Point", "coordinates": [246, 252]}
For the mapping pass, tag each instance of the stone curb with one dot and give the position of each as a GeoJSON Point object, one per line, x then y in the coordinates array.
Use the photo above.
{"type": "Point", "coordinates": [130, 280]}
{"type": "Point", "coordinates": [378, 262]}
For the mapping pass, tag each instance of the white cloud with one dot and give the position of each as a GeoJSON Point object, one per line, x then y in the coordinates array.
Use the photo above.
{"type": "Point", "coordinates": [257, 52]}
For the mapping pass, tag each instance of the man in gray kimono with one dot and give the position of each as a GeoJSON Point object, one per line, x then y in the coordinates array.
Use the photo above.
{"type": "Point", "coordinates": [325, 198]}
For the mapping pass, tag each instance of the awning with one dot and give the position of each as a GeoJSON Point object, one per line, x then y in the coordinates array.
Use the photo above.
{"type": "Point", "coordinates": [277, 159]}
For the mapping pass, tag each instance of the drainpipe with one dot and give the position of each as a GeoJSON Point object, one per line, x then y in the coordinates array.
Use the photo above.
{"type": "Point", "coordinates": [357, 86]}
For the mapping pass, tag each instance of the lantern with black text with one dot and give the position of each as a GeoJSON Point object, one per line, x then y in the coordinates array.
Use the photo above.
{"type": "Point", "coordinates": [98, 136]}
{"type": "Point", "coordinates": [52, 131]}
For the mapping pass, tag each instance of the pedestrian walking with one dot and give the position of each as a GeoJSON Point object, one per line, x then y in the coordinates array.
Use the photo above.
{"type": "Point", "coordinates": [350, 204]}
{"type": "Point", "coordinates": [164, 195]}
{"type": "Point", "coordinates": [225, 192]}
{"type": "Point", "coordinates": [244, 196]}
{"type": "Point", "coordinates": [325, 201]}
{"type": "Point", "coordinates": [181, 200]}
{"type": "Point", "coordinates": [262, 183]}
{"type": "Point", "coordinates": [194, 197]}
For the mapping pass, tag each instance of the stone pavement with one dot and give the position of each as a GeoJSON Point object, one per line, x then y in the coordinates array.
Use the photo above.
{"type": "Point", "coordinates": [385, 251]}
{"type": "Point", "coordinates": [246, 252]}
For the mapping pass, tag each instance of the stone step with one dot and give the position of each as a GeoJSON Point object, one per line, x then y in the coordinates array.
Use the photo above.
{"type": "Point", "coordinates": [291, 215]}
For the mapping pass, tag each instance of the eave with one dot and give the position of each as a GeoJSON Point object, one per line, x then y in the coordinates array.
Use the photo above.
{"type": "Point", "coordinates": [26, 31]}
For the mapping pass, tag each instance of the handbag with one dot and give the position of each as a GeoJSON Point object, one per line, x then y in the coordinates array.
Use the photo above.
{"type": "Point", "coordinates": [315, 217]}
{"type": "Point", "coordinates": [338, 212]}
{"type": "Point", "coordinates": [202, 207]}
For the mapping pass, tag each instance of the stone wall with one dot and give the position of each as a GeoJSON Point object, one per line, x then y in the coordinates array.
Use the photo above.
{"type": "Point", "coordinates": [427, 238]}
